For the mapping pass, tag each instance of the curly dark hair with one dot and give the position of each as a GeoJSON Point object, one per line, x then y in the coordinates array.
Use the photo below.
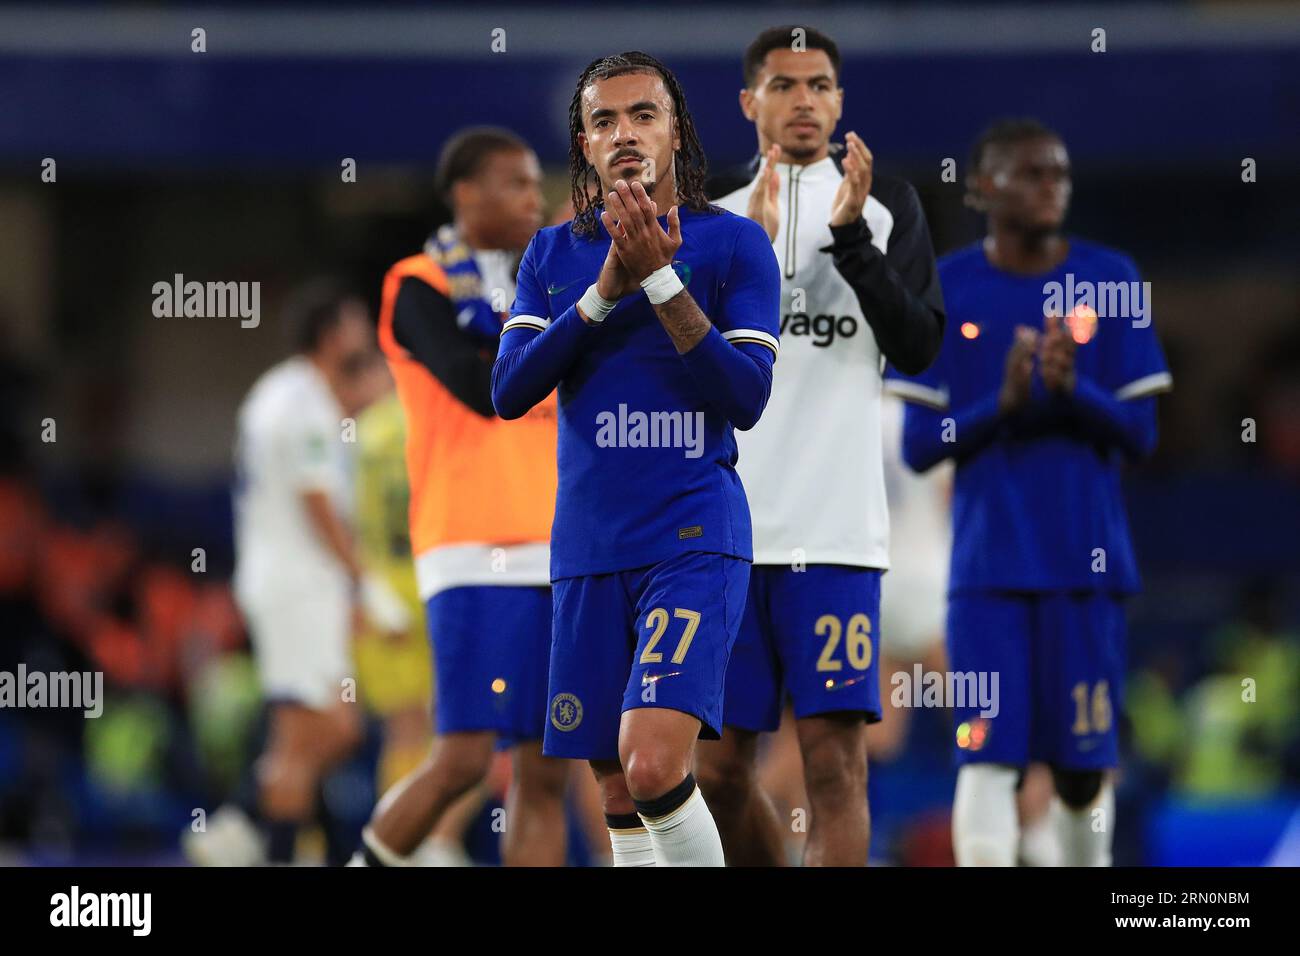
{"type": "Point", "coordinates": [689, 165]}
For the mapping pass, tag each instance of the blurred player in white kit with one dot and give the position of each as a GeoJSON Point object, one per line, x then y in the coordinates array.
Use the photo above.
{"type": "Point", "coordinates": [298, 578]}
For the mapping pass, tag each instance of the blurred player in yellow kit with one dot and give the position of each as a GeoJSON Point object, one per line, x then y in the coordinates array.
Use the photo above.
{"type": "Point", "coordinates": [395, 669]}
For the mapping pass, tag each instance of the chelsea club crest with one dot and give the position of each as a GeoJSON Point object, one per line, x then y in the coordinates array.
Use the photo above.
{"type": "Point", "coordinates": [566, 712]}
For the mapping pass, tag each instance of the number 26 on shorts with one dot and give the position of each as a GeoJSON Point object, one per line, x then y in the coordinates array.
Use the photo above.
{"type": "Point", "coordinates": [857, 642]}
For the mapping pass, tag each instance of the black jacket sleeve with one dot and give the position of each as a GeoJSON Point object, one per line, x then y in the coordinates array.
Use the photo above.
{"type": "Point", "coordinates": [424, 323]}
{"type": "Point", "coordinates": [899, 289]}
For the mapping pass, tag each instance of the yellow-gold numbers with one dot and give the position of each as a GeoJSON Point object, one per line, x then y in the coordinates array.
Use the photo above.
{"type": "Point", "coordinates": [1096, 706]}
{"type": "Point", "coordinates": [857, 642]}
{"type": "Point", "coordinates": [657, 621]}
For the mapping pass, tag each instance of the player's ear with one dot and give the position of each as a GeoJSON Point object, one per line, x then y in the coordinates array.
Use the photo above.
{"type": "Point", "coordinates": [839, 103]}
{"type": "Point", "coordinates": [977, 187]}
{"type": "Point", "coordinates": [747, 105]}
{"type": "Point", "coordinates": [463, 192]}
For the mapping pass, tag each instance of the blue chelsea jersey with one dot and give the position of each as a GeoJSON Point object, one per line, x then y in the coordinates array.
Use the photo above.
{"type": "Point", "coordinates": [646, 463]}
{"type": "Point", "coordinates": [1040, 506]}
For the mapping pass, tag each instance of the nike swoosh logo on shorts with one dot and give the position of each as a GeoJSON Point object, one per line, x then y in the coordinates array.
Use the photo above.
{"type": "Point", "coordinates": [841, 684]}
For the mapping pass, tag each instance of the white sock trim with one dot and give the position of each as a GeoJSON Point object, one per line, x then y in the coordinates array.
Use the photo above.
{"type": "Point", "coordinates": [632, 847]}
{"type": "Point", "coordinates": [386, 856]}
{"type": "Point", "coordinates": [1086, 835]}
{"type": "Point", "coordinates": [686, 837]}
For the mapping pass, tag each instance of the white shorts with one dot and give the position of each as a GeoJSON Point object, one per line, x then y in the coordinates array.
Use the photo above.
{"type": "Point", "coordinates": [302, 645]}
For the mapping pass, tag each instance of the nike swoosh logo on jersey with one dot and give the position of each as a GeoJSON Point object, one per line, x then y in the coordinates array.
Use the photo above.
{"type": "Point", "coordinates": [554, 289]}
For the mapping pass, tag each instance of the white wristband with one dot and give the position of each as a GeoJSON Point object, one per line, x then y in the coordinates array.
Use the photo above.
{"type": "Point", "coordinates": [594, 306]}
{"type": "Point", "coordinates": [661, 285]}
